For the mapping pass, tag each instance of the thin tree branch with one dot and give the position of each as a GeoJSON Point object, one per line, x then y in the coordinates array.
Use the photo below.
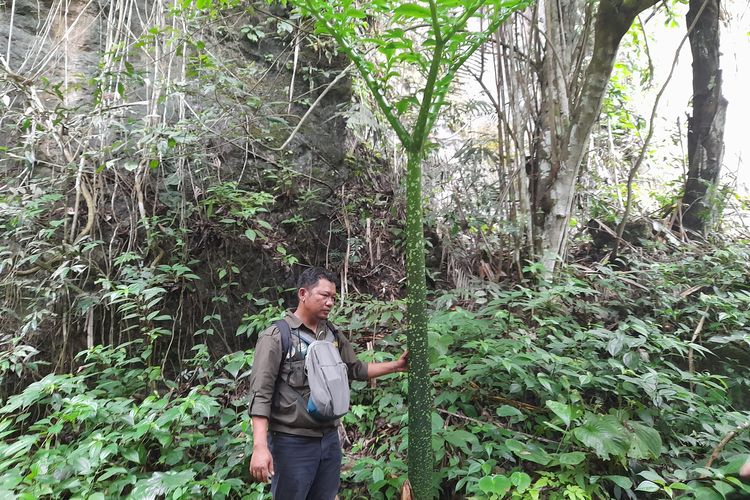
{"type": "Point", "coordinates": [731, 435]}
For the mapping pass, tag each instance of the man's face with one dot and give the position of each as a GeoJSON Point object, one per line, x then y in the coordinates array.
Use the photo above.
{"type": "Point", "coordinates": [318, 299]}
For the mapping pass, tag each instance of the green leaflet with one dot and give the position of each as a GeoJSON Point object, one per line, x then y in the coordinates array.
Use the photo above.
{"type": "Point", "coordinates": [604, 434]}
{"type": "Point", "coordinates": [645, 441]}
{"type": "Point", "coordinates": [411, 10]}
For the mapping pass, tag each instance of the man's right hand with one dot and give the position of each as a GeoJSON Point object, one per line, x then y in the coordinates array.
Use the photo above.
{"type": "Point", "coordinates": [261, 464]}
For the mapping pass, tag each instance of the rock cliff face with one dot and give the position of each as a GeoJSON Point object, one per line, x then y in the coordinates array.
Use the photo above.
{"type": "Point", "coordinates": [43, 38]}
{"type": "Point", "coordinates": [84, 49]}
{"type": "Point", "coordinates": [151, 130]}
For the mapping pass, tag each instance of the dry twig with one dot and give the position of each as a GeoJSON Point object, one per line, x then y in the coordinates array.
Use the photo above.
{"type": "Point", "coordinates": [731, 435]}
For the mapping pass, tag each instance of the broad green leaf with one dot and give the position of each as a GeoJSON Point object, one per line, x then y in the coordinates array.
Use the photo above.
{"type": "Point", "coordinates": [112, 471]}
{"type": "Point", "coordinates": [411, 10]}
{"type": "Point", "coordinates": [652, 476]}
{"type": "Point", "coordinates": [723, 488]}
{"type": "Point", "coordinates": [745, 488]}
{"type": "Point", "coordinates": [461, 438]}
{"type": "Point", "coordinates": [545, 381]}
{"type": "Point", "coordinates": [81, 465]}
{"type": "Point", "coordinates": [37, 391]}
{"type": "Point", "coordinates": [508, 411]}
{"type": "Point", "coordinates": [356, 13]}
{"type": "Point", "coordinates": [500, 485]}
{"type": "Point", "coordinates": [173, 456]}
{"type": "Point", "coordinates": [615, 345]}
{"type": "Point", "coordinates": [679, 486]}
{"type": "Point", "coordinates": [514, 445]}
{"type": "Point", "coordinates": [521, 481]}
{"type": "Point", "coordinates": [160, 483]}
{"type": "Point", "coordinates": [604, 434]}
{"type": "Point", "coordinates": [734, 464]}
{"type": "Point", "coordinates": [572, 458]}
{"type": "Point", "coordinates": [623, 482]}
{"type": "Point", "coordinates": [22, 445]}
{"type": "Point", "coordinates": [645, 442]}
{"type": "Point", "coordinates": [706, 493]}
{"type": "Point", "coordinates": [204, 405]}
{"type": "Point", "coordinates": [562, 410]}
{"type": "Point", "coordinates": [529, 451]}
{"type": "Point", "coordinates": [485, 484]}
{"type": "Point", "coordinates": [495, 485]}
{"type": "Point", "coordinates": [437, 422]}
{"type": "Point", "coordinates": [174, 413]}
{"type": "Point", "coordinates": [377, 475]}
{"type": "Point", "coordinates": [234, 367]}
{"type": "Point", "coordinates": [647, 486]}
{"type": "Point", "coordinates": [132, 455]}
{"type": "Point", "coordinates": [631, 359]}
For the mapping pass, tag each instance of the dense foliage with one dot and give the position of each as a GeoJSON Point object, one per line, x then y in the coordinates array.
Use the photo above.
{"type": "Point", "coordinates": [602, 384]}
{"type": "Point", "coordinates": [434, 41]}
{"type": "Point", "coordinates": [167, 167]}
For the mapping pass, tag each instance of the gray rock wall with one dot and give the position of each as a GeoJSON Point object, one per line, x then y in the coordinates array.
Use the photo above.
{"type": "Point", "coordinates": [135, 117]}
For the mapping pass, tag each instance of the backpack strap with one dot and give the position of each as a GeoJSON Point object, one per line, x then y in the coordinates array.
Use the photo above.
{"type": "Point", "coordinates": [286, 340]}
{"type": "Point", "coordinates": [286, 349]}
{"type": "Point", "coordinates": [334, 331]}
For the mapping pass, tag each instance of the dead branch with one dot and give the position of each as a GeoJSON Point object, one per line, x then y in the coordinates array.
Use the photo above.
{"type": "Point", "coordinates": [730, 435]}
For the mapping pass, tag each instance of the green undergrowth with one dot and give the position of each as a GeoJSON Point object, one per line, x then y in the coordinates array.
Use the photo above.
{"type": "Point", "coordinates": [604, 384]}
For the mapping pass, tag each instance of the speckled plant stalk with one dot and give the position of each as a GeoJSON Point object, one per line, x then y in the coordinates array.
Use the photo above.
{"type": "Point", "coordinates": [438, 63]}
{"type": "Point", "coordinates": [420, 455]}
{"type": "Point", "coordinates": [420, 390]}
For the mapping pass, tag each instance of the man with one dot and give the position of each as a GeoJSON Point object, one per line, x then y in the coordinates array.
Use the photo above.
{"type": "Point", "coordinates": [299, 454]}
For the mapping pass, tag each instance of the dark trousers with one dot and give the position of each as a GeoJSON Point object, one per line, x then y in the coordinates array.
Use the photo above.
{"type": "Point", "coordinates": [305, 468]}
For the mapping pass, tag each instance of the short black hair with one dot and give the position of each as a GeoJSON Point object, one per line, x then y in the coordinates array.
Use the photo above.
{"type": "Point", "coordinates": [310, 277]}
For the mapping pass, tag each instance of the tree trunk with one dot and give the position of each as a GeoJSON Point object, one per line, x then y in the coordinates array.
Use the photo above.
{"type": "Point", "coordinates": [568, 114]}
{"type": "Point", "coordinates": [706, 126]}
{"type": "Point", "coordinates": [420, 392]}
{"type": "Point", "coordinates": [548, 165]}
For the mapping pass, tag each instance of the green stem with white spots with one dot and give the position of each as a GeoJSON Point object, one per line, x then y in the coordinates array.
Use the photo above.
{"type": "Point", "coordinates": [420, 389]}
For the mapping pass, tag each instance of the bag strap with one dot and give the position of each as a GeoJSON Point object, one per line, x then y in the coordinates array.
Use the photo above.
{"type": "Point", "coordinates": [334, 331]}
{"type": "Point", "coordinates": [286, 349]}
{"type": "Point", "coordinates": [286, 340]}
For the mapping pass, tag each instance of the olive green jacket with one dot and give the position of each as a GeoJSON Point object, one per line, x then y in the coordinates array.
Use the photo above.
{"type": "Point", "coordinates": [275, 393]}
